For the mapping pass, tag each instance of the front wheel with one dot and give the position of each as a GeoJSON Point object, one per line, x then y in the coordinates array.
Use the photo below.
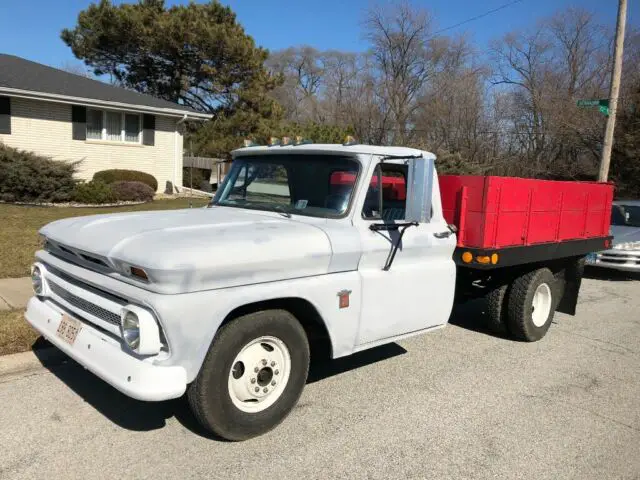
{"type": "Point", "coordinates": [252, 376]}
{"type": "Point", "coordinates": [531, 305]}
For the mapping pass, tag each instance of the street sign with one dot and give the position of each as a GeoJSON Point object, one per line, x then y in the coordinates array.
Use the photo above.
{"type": "Point", "coordinates": [602, 104]}
{"type": "Point", "coordinates": [588, 103]}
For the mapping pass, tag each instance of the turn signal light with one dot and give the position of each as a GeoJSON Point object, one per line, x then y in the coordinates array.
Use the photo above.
{"type": "Point", "coordinates": [140, 273]}
{"type": "Point", "coordinates": [494, 259]}
{"type": "Point", "coordinates": [467, 257]}
{"type": "Point", "coordinates": [483, 259]}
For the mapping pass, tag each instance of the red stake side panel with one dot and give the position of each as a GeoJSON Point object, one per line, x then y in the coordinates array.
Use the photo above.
{"type": "Point", "coordinates": [496, 212]}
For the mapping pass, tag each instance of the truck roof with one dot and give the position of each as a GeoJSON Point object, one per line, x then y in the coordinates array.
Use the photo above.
{"type": "Point", "coordinates": [332, 148]}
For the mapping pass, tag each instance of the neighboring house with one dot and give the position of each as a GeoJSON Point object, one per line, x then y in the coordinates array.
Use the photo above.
{"type": "Point", "coordinates": [70, 117]}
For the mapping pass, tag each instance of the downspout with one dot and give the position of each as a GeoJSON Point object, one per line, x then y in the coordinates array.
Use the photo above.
{"type": "Point", "coordinates": [176, 153]}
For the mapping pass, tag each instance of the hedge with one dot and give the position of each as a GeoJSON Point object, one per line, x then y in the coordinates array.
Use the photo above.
{"type": "Point", "coordinates": [116, 175]}
{"type": "Point", "coordinates": [95, 192]}
{"type": "Point", "coordinates": [132, 191]}
{"type": "Point", "coordinates": [29, 177]}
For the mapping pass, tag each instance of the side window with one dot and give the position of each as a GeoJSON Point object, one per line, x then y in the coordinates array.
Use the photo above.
{"type": "Point", "coordinates": [268, 183]}
{"type": "Point", "coordinates": [387, 194]}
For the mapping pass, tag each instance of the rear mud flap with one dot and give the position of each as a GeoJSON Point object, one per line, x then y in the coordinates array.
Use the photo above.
{"type": "Point", "coordinates": [571, 276]}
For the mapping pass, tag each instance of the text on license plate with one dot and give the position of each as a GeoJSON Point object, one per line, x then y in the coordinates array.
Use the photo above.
{"type": "Point", "coordinates": [68, 329]}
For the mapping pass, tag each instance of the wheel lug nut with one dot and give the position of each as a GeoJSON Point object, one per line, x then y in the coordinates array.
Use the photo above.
{"type": "Point", "coordinates": [257, 389]}
{"type": "Point", "coordinates": [256, 369]}
{"type": "Point", "coordinates": [273, 364]}
{"type": "Point", "coordinates": [253, 380]}
{"type": "Point", "coordinates": [277, 372]}
{"type": "Point", "coordinates": [265, 390]}
{"type": "Point", "coordinates": [273, 384]}
{"type": "Point", "coordinates": [264, 362]}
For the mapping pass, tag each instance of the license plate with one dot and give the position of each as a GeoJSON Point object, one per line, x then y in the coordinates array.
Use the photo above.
{"type": "Point", "coordinates": [69, 329]}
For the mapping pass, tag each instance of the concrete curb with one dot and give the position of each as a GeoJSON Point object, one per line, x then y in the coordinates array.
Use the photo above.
{"type": "Point", "coordinates": [23, 364]}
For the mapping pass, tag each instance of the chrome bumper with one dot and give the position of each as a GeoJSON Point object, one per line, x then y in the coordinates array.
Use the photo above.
{"type": "Point", "coordinates": [104, 355]}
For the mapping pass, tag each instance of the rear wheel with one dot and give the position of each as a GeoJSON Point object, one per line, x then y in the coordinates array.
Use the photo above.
{"type": "Point", "coordinates": [252, 376]}
{"type": "Point", "coordinates": [496, 305]}
{"type": "Point", "coordinates": [531, 305]}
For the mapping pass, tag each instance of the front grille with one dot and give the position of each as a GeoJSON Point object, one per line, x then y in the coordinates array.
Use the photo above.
{"type": "Point", "coordinates": [620, 258]}
{"type": "Point", "coordinates": [84, 305]}
{"type": "Point", "coordinates": [77, 257]}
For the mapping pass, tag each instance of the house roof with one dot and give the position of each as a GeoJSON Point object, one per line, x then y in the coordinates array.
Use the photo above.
{"type": "Point", "coordinates": [24, 78]}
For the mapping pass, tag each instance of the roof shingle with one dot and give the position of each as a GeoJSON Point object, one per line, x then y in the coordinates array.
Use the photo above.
{"type": "Point", "coordinates": [22, 74]}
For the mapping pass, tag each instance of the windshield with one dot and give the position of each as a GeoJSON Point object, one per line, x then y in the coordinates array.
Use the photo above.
{"type": "Point", "coordinates": [625, 215]}
{"type": "Point", "coordinates": [290, 184]}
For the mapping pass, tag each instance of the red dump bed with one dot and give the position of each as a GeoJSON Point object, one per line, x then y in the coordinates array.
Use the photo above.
{"type": "Point", "coordinates": [497, 212]}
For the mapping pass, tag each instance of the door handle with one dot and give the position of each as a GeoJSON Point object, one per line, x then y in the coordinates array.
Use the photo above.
{"type": "Point", "coordinates": [446, 234]}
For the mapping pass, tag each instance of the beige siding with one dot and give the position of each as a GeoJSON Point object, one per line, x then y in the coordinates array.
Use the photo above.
{"type": "Point", "coordinates": [45, 128]}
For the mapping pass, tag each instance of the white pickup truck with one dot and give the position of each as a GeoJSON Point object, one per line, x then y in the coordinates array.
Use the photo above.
{"type": "Point", "coordinates": [300, 253]}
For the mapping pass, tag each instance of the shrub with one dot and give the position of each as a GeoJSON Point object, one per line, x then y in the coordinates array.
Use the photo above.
{"type": "Point", "coordinates": [132, 191]}
{"type": "Point", "coordinates": [197, 175]}
{"type": "Point", "coordinates": [93, 192]}
{"type": "Point", "coordinates": [116, 175]}
{"type": "Point", "coordinates": [29, 177]}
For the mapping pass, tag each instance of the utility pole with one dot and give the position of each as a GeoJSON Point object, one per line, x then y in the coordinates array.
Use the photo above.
{"type": "Point", "coordinates": [614, 92]}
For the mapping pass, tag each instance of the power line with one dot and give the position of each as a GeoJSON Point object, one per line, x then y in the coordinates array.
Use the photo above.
{"type": "Point", "coordinates": [477, 17]}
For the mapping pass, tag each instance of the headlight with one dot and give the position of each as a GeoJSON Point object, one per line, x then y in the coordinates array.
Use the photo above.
{"type": "Point", "coordinates": [37, 279]}
{"type": "Point", "coordinates": [140, 330]}
{"type": "Point", "coordinates": [131, 330]}
{"type": "Point", "coordinates": [627, 246]}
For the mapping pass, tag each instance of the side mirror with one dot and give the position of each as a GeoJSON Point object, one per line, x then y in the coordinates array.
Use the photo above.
{"type": "Point", "coordinates": [419, 189]}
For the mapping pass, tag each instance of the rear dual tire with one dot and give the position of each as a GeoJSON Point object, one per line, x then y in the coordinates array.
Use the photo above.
{"type": "Point", "coordinates": [525, 308]}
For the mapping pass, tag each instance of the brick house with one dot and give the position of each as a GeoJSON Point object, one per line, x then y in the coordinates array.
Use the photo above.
{"type": "Point", "coordinates": [70, 117]}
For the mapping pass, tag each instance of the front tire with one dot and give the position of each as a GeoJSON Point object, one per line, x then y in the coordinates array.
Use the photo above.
{"type": "Point", "coordinates": [531, 305]}
{"type": "Point", "coordinates": [252, 376]}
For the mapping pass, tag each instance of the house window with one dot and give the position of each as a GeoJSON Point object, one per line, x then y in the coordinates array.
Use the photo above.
{"type": "Point", "coordinates": [131, 127]}
{"type": "Point", "coordinates": [113, 126]}
{"type": "Point", "coordinates": [94, 124]}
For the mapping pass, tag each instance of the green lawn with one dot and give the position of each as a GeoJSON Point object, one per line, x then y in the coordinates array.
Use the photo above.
{"type": "Point", "coordinates": [19, 227]}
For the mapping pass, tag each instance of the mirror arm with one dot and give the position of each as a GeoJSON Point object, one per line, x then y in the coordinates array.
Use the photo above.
{"type": "Point", "coordinates": [400, 227]}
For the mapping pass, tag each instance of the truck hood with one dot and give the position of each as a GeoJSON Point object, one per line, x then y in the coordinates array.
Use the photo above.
{"type": "Point", "coordinates": [197, 249]}
{"type": "Point", "coordinates": [624, 234]}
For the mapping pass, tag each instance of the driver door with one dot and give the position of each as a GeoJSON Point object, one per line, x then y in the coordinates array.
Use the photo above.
{"type": "Point", "coordinates": [416, 293]}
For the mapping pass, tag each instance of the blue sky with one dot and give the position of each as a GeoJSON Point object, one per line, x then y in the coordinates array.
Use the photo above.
{"type": "Point", "coordinates": [31, 28]}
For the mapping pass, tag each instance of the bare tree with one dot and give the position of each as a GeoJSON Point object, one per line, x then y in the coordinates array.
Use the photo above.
{"type": "Point", "coordinates": [399, 39]}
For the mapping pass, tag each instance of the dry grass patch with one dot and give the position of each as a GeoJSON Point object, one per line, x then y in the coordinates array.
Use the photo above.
{"type": "Point", "coordinates": [16, 335]}
{"type": "Point", "coordinates": [20, 224]}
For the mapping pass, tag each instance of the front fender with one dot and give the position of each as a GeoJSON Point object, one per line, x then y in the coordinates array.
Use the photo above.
{"type": "Point", "coordinates": [190, 321]}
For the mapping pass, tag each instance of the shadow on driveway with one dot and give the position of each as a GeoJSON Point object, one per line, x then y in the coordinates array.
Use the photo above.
{"type": "Point", "coordinates": [146, 416]}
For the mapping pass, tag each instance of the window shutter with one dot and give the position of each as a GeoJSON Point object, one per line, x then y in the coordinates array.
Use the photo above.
{"type": "Point", "coordinates": [148, 129]}
{"type": "Point", "coordinates": [5, 115]}
{"type": "Point", "coordinates": [79, 121]}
